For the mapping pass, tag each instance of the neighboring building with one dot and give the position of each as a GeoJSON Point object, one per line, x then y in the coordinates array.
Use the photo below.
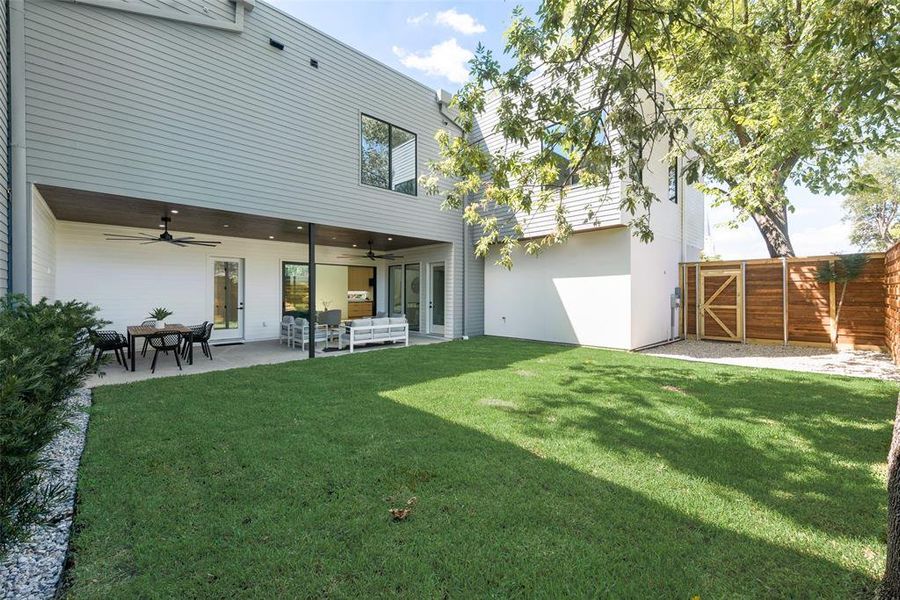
{"type": "Point", "coordinates": [245, 126]}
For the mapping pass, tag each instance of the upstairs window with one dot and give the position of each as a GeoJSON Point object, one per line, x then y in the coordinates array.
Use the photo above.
{"type": "Point", "coordinates": [561, 157]}
{"type": "Point", "coordinates": [673, 181]}
{"type": "Point", "coordinates": [388, 156]}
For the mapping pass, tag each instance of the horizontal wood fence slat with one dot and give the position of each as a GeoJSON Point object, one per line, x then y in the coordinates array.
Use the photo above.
{"type": "Point", "coordinates": [782, 302]}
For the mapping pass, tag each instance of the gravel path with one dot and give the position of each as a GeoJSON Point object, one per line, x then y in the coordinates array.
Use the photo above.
{"type": "Point", "coordinates": [32, 570]}
{"type": "Point", "coordinates": [855, 363]}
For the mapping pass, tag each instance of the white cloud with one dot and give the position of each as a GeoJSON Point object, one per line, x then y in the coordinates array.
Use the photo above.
{"type": "Point", "coordinates": [461, 22]}
{"type": "Point", "coordinates": [447, 59]}
{"type": "Point", "coordinates": [416, 20]}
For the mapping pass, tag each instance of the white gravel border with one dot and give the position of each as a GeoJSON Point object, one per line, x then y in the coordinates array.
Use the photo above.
{"type": "Point", "coordinates": [33, 569]}
{"type": "Point", "coordinates": [852, 363]}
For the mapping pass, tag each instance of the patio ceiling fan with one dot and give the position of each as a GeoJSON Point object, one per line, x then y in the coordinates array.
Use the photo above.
{"type": "Point", "coordinates": [165, 236]}
{"type": "Point", "coordinates": [371, 255]}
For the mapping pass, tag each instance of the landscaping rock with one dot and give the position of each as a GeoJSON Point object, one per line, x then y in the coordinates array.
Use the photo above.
{"type": "Point", "coordinates": [32, 570]}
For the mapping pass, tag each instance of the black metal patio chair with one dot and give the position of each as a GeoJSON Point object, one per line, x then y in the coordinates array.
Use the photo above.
{"type": "Point", "coordinates": [197, 336]}
{"type": "Point", "coordinates": [109, 341]}
{"type": "Point", "coordinates": [164, 343]}
{"type": "Point", "coordinates": [147, 323]}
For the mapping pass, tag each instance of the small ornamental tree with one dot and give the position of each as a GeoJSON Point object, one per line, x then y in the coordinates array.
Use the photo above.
{"type": "Point", "coordinates": [844, 269]}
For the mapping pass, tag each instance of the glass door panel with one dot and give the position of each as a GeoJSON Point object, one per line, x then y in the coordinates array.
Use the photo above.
{"type": "Point", "coordinates": [412, 288]}
{"type": "Point", "coordinates": [436, 299]}
{"type": "Point", "coordinates": [395, 290]}
{"type": "Point", "coordinates": [228, 298]}
{"type": "Point", "coordinates": [295, 289]}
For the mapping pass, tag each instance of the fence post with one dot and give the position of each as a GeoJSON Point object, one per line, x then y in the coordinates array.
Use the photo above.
{"type": "Point", "coordinates": [742, 298]}
{"type": "Point", "coordinates": [784, 297]}
{"type": "Point", "coordinates": [699, 300]}
{"type": "Point", "coordinates": [831, 309]}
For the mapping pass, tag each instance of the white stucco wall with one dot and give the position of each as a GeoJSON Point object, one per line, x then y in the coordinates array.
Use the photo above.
{"type": "Point", "coordinates": [577, 293]}
{"type": "Point", "coordinates": [654, 265]}
{"type": "Point", "coordinates": [43, 249]}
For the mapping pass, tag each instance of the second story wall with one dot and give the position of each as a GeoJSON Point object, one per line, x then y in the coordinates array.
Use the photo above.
{"type": "Point", "coordinates": [586, 208]}
{"type": "Point", "coordinates": [145, 107]}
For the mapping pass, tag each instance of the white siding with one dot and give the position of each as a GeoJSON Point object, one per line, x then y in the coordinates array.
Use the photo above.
{"type": "Point", "coordinates": [586, 208]}
{"type": "Point", "coordinates": [577, 293]}
{"type": "Point", "coordinates": [423, 256]}
{"type": "Point", "coordinates": [693, 223]}
{"type": "Point", "coordinates": [152, 108]}
{"type": "Point", "coordinates": [128, 282]}
{"type": "Point", "coordinates": [4, 151]}
{"type": "Point", "coordinates": [43, 249]}
{"type": "Point", "coordinates": [474, 288]}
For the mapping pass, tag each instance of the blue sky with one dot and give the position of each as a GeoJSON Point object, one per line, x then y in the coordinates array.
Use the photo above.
{"type": "Point", "coordinates": [432, 41]}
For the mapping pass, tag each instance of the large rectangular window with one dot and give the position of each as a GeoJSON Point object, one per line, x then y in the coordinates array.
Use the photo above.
{"type": "Point", "coordinates": [349, 289]}
{"type": "Point", "coordinates": [387, 156]}
{"type": "Point", "coordinates": [561, 156]}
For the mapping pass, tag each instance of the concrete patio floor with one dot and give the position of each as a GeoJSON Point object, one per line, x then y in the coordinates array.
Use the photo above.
{"type": "Point", "coordinates": [230, 357]}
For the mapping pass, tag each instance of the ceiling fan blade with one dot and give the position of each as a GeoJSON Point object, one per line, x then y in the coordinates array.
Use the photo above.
{"type": "Point", "coordinates": [117, 236]}
{"type": "Point", "coordinates": [389, 256]}
{"type": "Point", "coordinates": [208, 244]}
{"type": "Point", "coordinates": [150, 242]}
{"type": "Point", "coordinates": [183, 239]}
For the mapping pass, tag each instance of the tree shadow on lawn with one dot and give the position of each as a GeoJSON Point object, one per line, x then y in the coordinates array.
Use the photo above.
{"type": "Point", "coordinates": [275, 482]}
{"type": "Point", "coordinates": [805, 447]}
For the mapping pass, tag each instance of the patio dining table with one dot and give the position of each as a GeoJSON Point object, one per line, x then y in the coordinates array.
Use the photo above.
{"type": "Point", "coordinates": [144, 331]}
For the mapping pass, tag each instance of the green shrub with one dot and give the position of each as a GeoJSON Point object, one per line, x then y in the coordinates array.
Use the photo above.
{"type": "Point", "coordinates": [44, 358]}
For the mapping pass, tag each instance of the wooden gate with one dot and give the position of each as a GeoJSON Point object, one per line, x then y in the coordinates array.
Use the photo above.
{"type": "Point", "coordinates": [722, 305]}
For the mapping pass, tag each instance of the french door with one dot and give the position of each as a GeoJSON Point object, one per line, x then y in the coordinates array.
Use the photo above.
{"type": "Point", "coordinates": [436, 282]}
{"type": "Point", "coordinates": [227, 298]}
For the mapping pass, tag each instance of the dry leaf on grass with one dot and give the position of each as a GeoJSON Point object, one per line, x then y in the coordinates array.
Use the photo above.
{"type": "Point", "coordinates": [400, 514]}
{"type": "Point", "coordinates": [672, 388]}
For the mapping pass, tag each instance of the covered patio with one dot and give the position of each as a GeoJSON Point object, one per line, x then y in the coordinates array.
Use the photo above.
{"type": "Point", "coordinates": [231, 356]}
{"type": "Point", "coordinates": [241, 272]}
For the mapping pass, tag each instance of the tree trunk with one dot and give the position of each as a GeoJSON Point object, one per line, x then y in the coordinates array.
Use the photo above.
{"type": "Point", "coordinates": [890, 582]}
{"type": "Point", "coordinates": [773, 226]}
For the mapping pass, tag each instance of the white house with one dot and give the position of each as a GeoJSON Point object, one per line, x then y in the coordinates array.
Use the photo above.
{"type": "Point", "coordinates": [247, 127]}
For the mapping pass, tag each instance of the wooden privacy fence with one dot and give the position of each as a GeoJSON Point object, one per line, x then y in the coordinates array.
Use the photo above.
{"type": "Point", "coordinates": [892, 301]}
{"type": "Point", "coordinates": [779, 301]}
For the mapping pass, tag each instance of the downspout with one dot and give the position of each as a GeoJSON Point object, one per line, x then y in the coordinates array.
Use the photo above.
{"type": "Point", "coordinates": [18, 184]}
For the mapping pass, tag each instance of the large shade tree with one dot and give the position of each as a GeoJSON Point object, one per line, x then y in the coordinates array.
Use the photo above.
{"type": "Point", "coordinates": [758, 93]}
{"type": "Point", "coordinates": [873, 204]}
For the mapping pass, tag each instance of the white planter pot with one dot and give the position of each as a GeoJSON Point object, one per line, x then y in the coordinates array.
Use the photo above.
{"type": "Point", "coordinates": [160, 325]}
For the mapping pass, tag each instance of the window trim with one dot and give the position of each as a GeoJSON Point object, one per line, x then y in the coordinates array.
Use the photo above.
{"type": "Point", "coordinates": [391, 128]}
{"type": "Point", "coordinates": [577, 182]}
{"type": "Point", "coordinates": [669, 190]}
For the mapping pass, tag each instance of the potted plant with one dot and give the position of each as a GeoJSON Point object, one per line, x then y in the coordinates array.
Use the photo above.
{"type": "Point", "coordinates": [160, 314]}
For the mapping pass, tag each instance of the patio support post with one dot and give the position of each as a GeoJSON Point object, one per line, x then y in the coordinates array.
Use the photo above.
{"type": "Point", "coordinates": [311, 232]}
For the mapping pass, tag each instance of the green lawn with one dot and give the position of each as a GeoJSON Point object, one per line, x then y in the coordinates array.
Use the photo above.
{"type": "Point", "coordinates": [539, 470]}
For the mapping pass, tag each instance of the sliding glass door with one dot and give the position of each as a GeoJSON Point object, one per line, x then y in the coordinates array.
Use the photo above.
{"type": "Point", "coordinates": [412, 288]}
{"type": "Point", "coordinates": [395, 290]}
{"type": "Point", "coordinates": [404, 293]}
